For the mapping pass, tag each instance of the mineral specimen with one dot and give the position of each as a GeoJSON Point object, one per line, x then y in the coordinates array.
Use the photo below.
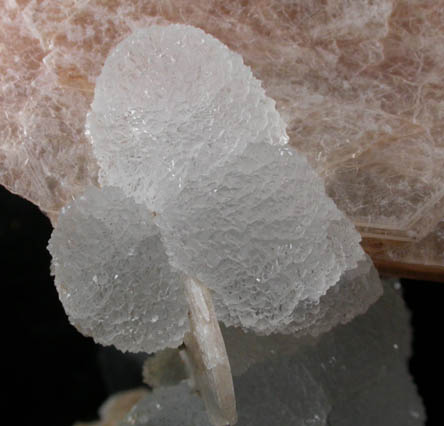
{"type": "Point", "coordinates": [356, 374]}
{"type": "Point", "coordinates": [267, 241]}
{"type": "Point", "coordinates": [113, 275]}
{"type": "Point", "coordinates": [161, 116]}
{"type": "Point", "coordinates": [199, 142]}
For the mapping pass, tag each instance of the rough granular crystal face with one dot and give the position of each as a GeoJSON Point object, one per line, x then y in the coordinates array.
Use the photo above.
{"type": "Point", "coordinates": [352, 295]}
{"type": "Point", "coordinates": [169, 102]}
{"type": "Point", "coordinates": [200, 143]}
{"type": "Point", "coordinates": [262, 234]}
{"type": "Point", "coordinates": [113, 276]}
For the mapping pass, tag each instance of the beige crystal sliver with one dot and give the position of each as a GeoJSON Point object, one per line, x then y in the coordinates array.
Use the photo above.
{"type": "Point", "coordinates": [208, 356]}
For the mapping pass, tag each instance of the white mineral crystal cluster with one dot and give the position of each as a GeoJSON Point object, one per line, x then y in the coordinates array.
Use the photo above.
{"type": "Point", "coordinates": [180, 123]}
{"type": "Point", "coordinates": [113, 275]}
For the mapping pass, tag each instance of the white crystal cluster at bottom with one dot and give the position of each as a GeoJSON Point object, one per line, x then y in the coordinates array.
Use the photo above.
{"type": "Point", "coordinates": [354, 375]}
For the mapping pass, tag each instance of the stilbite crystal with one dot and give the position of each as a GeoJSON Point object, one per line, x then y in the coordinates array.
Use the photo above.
{"type": "Point", "coordinates": [199, 142]}
{"type": "Point", "coordinates": [113, 275]}
{"type": "Point", "coordinates": [358, 84]}
{"type": "Point", "coordinates": [355, 374]}
{"type": "Point", "coordinates": [268, 257]}
{"type": "Point", "coordinates": [162, 116]}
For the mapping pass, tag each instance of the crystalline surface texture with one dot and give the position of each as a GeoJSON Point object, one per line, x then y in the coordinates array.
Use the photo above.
{"type": "Point", "coordinates": [113, 276]}
{"type": "Point", "coordinates": [355, 374]}
{"type": "Point", "coordinates": [170, 101]}
{"type": "Point", "coordinates": [356, 290]}
{"type": "Point", "coordinates": [196, 138]}
{"type": "Point", "coordinates": [171, 406]}
{"type": "Point", "coordinates": [262, 234]}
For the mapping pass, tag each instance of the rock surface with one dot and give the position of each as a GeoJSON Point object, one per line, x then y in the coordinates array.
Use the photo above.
{"type": "Point", "coordinates": [162, 115]}
{"type": "Point", "coordinates": [358, 85]}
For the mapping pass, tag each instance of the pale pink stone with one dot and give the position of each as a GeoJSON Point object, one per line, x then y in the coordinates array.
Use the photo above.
{"type": "Point", "coordinates": [359, 84]}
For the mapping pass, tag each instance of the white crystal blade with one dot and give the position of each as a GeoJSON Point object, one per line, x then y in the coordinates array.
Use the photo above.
{"type": "Point", "coordinates": [208, 357]}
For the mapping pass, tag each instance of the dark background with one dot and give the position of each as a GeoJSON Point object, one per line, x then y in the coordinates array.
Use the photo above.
{"type": "Point", "coordinates": [58, 376]}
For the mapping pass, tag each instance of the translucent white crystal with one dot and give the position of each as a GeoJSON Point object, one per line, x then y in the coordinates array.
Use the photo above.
{"type": "Point", "coordinates": [352, 295]}
{"type": "Point", "coordinates": [113, 276]}
{"type": "Point", "coordinates": [357, 374]}
{"type": "Point", "coordinates": [261, 233]}
{"type": "Point", "coordinates": [179, 122]}
{"type": "Point", "coordinates": [169, 102]}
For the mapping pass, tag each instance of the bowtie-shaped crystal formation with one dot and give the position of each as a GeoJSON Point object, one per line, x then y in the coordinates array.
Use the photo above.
{"type": "Point", "coordinates": [200, 195]}
{"type": "Point", "coordinates": [181, 124]}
